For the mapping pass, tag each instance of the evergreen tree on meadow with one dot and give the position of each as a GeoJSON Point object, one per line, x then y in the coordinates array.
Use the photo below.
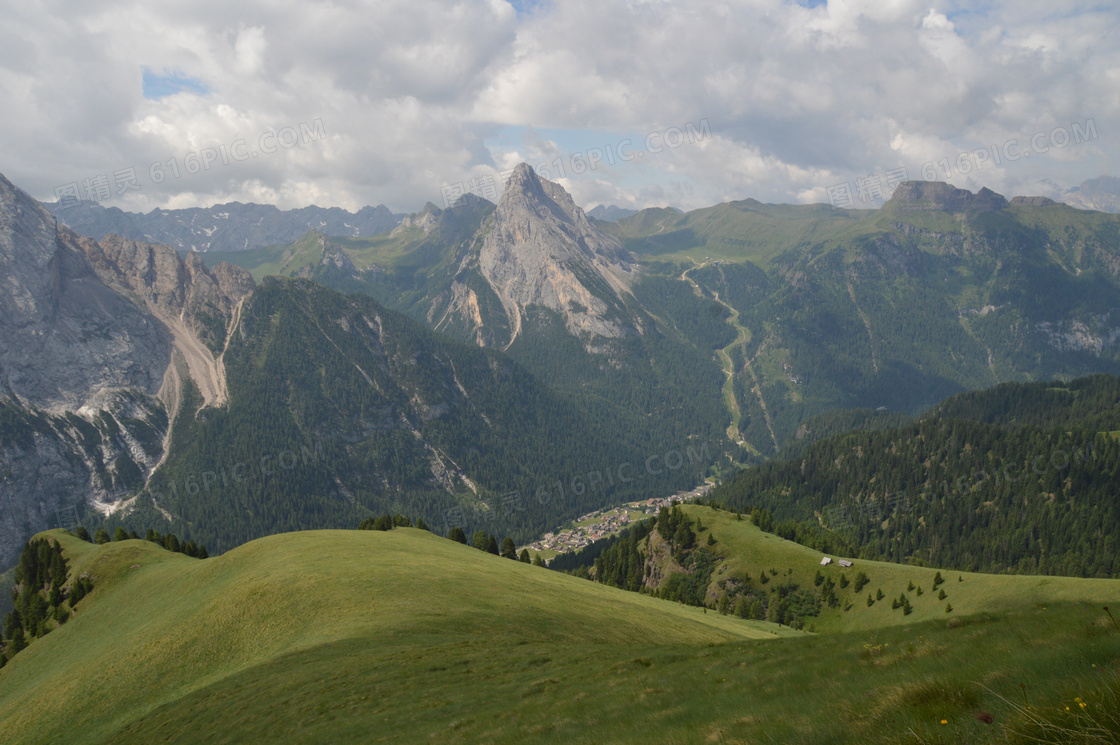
{"type": "Point", "coordinates": [524, 557]}
{"type": "Point", "coordinates": [120, 534]}
{"type": "Point", "coordinates": [509, 548]}
{"type": "Point", "coordinates": [492, 545]}
{"type": "Point", "coordinates": [480, 540]}
{"type": "Point", "coordinates": [456, 534]}
{"type": "Point", "coordinates": [82, 533]}
{"type": "Point", "coordinates": [101, 537]}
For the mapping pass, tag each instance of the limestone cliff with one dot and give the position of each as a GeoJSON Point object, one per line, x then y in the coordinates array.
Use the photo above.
{"type": "Point", "coordinates": [541, 250]}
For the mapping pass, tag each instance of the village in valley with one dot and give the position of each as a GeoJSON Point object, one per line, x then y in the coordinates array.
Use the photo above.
{"type": "Point", "coordinates": [600, 524]}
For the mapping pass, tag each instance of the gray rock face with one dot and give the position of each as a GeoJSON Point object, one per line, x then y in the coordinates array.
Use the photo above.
{"type": "Point", "coordinates": [95, 342]}
{"type": "Point", "coordinates": [224, 227]}
{"type": "Point", "coordinates": [935, 196]}
{"type": "Point", "coordinates": [66, 338]}
{"type": "Point", "coordinates": [542, 250]}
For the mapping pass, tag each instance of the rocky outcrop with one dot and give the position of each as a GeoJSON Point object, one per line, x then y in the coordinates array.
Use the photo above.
{"type": "Point", "coordinates": [195, 304]}
{"type": "Point", "coordinates": [541, 250]}
{"type": "Point", "coordinates": [936, 196]}
{"type": "Point", "coordinates": [1032, 202]}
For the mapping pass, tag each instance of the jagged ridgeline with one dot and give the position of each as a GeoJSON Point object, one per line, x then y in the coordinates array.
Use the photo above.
{"type": "Point", "coordinates": [1020, 478]}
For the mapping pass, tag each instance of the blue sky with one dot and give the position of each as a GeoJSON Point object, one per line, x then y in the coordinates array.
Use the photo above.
{"type": "Point", "coordinates": [157, 86]}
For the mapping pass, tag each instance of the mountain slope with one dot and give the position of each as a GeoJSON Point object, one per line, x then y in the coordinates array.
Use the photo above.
{"type": "Point", "coordinates": [95, 342]}
{"type": "Point", "coordinates": [964, 486]}
{"type": "Point", "coordinates": [339, 408]}
{"type": "Point", "coordinates": [938, 292]}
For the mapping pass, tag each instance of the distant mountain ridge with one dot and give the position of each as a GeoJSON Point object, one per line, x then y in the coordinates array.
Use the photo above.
{"type": "Point", "coordinates": [224, 227]}
{"type": "Point", "coordinates": [1101, 194]}
{"type": "Point", "coordinates": [610, 213]}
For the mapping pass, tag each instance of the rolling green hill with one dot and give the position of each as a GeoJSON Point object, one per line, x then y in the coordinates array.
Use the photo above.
{"type": "Point", "coordinates": [368, 636]}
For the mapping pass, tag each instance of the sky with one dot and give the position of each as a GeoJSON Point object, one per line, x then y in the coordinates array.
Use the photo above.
{"type": "Point", "coordinates": [630, 102]}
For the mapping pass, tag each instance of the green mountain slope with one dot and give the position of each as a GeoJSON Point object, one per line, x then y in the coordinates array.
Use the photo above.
{"type": "Point", "coordinates": [339, 408]}
{"type": "Point", "coordinates": [1019, 478]}
{"type": "Point", "coordinates": [368, 636]}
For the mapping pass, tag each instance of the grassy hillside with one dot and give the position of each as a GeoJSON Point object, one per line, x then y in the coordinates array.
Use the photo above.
{"type": "Point", "coordinates": [748, 550]}
{"type": "Point", "coordinates": [368, 636]}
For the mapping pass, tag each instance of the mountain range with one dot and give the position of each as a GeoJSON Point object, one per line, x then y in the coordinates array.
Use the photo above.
{"type": "Point", "coordinates": [224, 227]}
{"type": "Point", "coordinates": [485, 353]}
{"type": "Point", "coordinates": [795, 310]}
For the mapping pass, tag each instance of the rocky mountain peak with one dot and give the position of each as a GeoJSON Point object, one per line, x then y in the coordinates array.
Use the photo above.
{"type": "Point", "coordinates": [937, 196]}
{"type": "Point", "coordinates": [542, 250]}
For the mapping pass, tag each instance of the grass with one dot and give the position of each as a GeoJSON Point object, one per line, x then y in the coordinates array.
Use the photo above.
{"type": "Point", "coordinates": [748, 550]}
{"type": "Point", "coordinates": [356, 636]}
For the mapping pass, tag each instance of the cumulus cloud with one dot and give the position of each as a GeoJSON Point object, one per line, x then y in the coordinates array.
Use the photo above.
{"type": "Point", "coordinates": [403, 98]}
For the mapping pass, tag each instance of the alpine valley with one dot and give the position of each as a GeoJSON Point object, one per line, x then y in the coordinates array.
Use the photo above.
{"type": "Point", "coordinates": [275, 493]}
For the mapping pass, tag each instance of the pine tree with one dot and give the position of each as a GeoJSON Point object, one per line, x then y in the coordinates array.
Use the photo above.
{"type": "Point", "coordinates": [421, 525]}
{"type": "Point", "coordinates": [480, 540]}
{"type": "Point", "coordinates": [870, 600]}
{"type": "Point", "coordinates": [711, 539]}
{"type": "Point", "coordinates": [456, 534]}
{"type": "Point", "coordinates": [18, 643]}
{"type": "Point", "coordinates": [509, 549]}
{"type": "Point", "coordinates": [524, 557]}
{"type": "Point", "coordinates": [949, 608]}
{"type": "Point", "coordinates": [492, 545]}
{"type": "Point", "coordinates": [879, 594]}
{"type": "Point", "coordinates": [941, 595]}
{"type": "Point", "coordinates": [538, 561]}
{"type": "Point", "coordinates": [120, 534]}
{"type": "Point", "coordinates": [82, 533]}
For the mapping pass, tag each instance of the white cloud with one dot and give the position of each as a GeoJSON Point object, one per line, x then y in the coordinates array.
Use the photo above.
{"type": "Point", "coordinates": [409, 92]}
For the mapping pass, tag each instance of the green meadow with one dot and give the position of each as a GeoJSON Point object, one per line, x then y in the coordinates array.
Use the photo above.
{"type": "Point", "coordinates": [402, 636]}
